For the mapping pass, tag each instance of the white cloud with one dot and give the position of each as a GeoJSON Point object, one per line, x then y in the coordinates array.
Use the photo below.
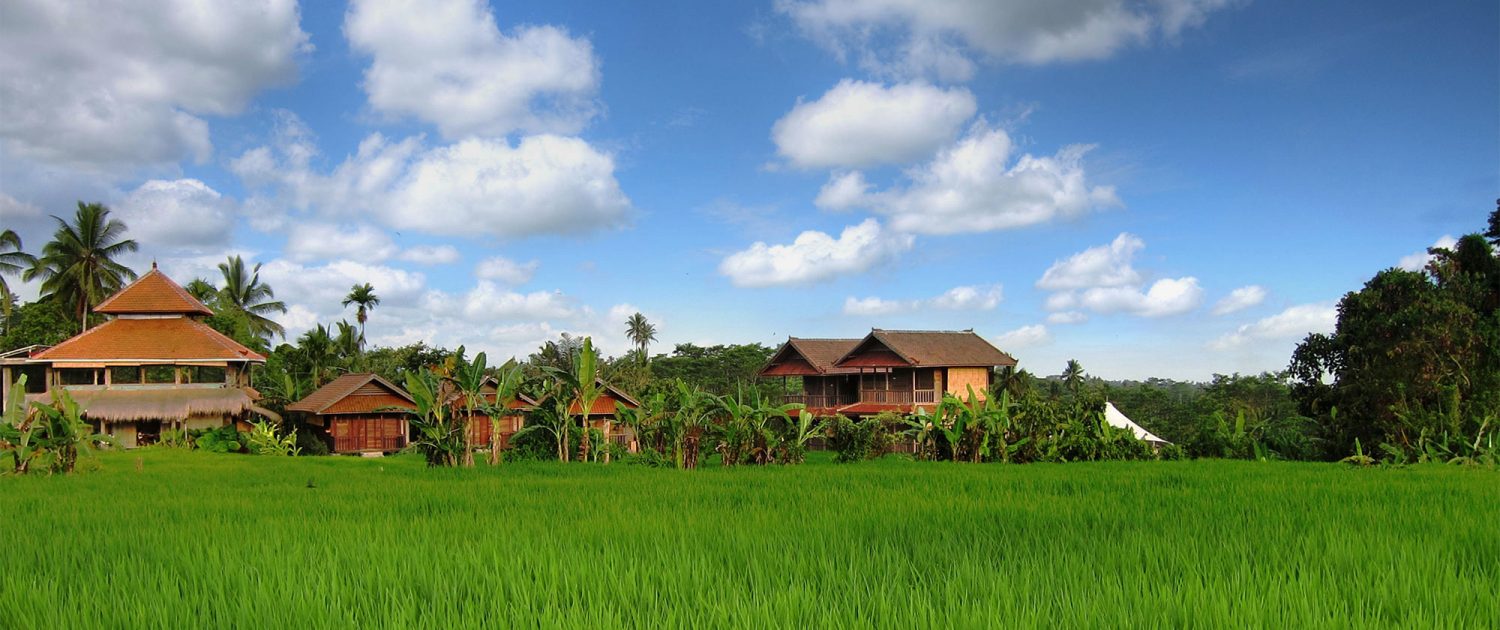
{"type": "Point", "coordinates": [1102, 266]}
{"type": "Point", "coordinates": [180, 214]}
{"type": "Point", "coordinates": [1102, 279]}
{"type": "Point", "coordinates": [489, 301]}
{"type": "Point", "coordinates": [431, 254]}
{"type": "Point", "coordinates": [505, 271]}
{"type": "Point", "coordinates": [944, 38]}
{"type": "Point", "coordinates": [1289, 325]}
{"type": "Point", "coordinates": [1240, 299]}
{"type": "Point", "coordinates": [543, 184]}
{"type": "Point", "coordinates": [117, 86]}
{"type": "Point", "coordinates": [1024, 337]}
{"type": "Point", "coordinates": [973, 186]}
{"type": "Point", "coordinates": [874, 306]}
{"type": "Point", "coordinates": [321, 288]}
{"type": "Point", "coordinates": [966, 298]}
{"type": "Point", "coordinates": [14, 210]}
{"type": "Point", "coordinates": [326, 241]}
{"type": "Point", "coordinates": [447, 62]}
{"type": "Point", "coordinates": [1165, 297]}
{"type": "Point", "coordinates": [858, 124]}
{"type": "Point", "coordinates": [815, 256]}
{"type": "Point", "coordinates": [1417, 261]}
{"type": "Point", "coordinates": [1067, 317]}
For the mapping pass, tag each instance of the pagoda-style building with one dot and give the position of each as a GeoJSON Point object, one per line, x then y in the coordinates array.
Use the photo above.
{"type": "Point", "coordinates": [154, 365]}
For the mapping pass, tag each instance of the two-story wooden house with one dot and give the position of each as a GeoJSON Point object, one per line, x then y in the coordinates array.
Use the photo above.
{"type": "Point", "coordinates": [153, 365]}
{"type": "Point", "coordinates": [887, 370]}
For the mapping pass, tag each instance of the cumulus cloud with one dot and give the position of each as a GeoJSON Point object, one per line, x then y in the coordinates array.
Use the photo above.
{"type": "Point", "coordinates": [1102, 266]}
{"type": "Point", "coordinates": [430, 254]}
{"type": "Point", "coordinates": [815, 256]}
{"type": "Point", "coordinates": [1103, 280]}
{"type": "Point", "coordinates": [1024, 337]}
{"type": "Point", "coordinates": [1067, 317]}
{"type": "Point", "coordinates": [183, 214]}
{"type": "Point", "coordinates": [505, 270]}
{"type": "Point", "coordinates": [447, 62]}
{"type": "Point", "coordinates": [326, 241]}
{"type": "Point", "coordinates": [859, 124]}
{"type": "Point", "coordinates": [945, 38]}
{"type": "Point", "coordinates": [541, 185]}
{"type": "Point", "coordinates": [974, 185]}
{"type": "Point", "coordinates": [965, 298]}
{"type": "Point", "coordinates": [321, 288]}
{"type": "Point", "coordinates": [1417, 261]}
{"type": "Point", "coordinates": [14, 210]}
{"type": "Point", "coordinates": [113, 87]}
{"type": "Point", "coordinates": [1289, 325]}
{"type": "Point", "coordinates": [1240, 299]}
{"type": "Point", "coordinates": [489, 300]}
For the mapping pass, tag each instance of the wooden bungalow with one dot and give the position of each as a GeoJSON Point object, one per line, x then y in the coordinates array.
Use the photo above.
{"type": "Point", "coordinates": [602, 414]}
{"type": "Point", "coordinates": [480, 431]}
{"type": "Point", "coordinates": [361, 413]}
{"type": "Point", "coordinates": [887, 370]}
{"type": "Point", "coordinates": [153, 365]}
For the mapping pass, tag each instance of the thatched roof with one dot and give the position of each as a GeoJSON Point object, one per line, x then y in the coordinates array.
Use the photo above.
{"type": "Point", "coordinates": [158, 403]}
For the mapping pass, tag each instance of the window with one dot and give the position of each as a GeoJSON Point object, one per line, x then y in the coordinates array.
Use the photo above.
{"type": "Point", "coordinates": [203, 374]}
{"type": "Point", "coordinates": [75, 376]}
{"type": "Point", "coordinates": [161, 374]}
{"type": "Point", "coordinates": [124, 374]}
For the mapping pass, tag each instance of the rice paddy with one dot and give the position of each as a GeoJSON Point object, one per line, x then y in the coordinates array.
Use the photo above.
{"type": "Point", "coordinates": [173, 538]}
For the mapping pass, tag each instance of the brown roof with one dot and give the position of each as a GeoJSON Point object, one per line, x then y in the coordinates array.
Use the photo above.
{"type": "Point", "coordinates": [929, 348]}
{"type": "Point", "coordinates": [365, 392]}
{"type": "Point", "coordinates": [159, 403]}
{"type": "Point", "coordinates": [153, 293]}
{"type": "Point", "coordinates": [820, 354]}
{"type": "Point", "coordinates": [156, 339]}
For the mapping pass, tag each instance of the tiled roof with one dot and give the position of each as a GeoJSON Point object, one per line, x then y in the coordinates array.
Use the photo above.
{"type": "Point", "coordinates": [818, 353]}
{"type": "Point", "coordinates": [932, 348]}
{"type": "Point", "coordinates": [155, 293]}
{"type": "Point", "coordinates": [158, 339]}
{"type": "Point", "coordinates": [350, 385]}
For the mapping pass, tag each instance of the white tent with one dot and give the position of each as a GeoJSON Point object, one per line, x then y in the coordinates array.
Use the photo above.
{"type": "Point", "coordinates": [1117, 419]}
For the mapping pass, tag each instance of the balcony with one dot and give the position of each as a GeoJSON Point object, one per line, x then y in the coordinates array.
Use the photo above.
{"type": "Point", "coordinates": [876, 396]}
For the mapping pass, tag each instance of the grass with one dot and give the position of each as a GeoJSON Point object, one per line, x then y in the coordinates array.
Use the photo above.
{"type": "Point", "coordinates": [171, 538]}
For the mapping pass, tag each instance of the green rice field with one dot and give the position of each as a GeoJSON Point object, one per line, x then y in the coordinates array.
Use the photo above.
{"type": "Point", "coordinates": [161, 538]}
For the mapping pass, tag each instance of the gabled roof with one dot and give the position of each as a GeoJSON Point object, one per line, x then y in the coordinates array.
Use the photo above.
{"type": "Point", "coordinates": [602, 405]}
{"type": "Point", "coordinates": [164, 339]}
{"type": "Point", "coordinates": [330, 397]}
{"type": "Point", "coordinates": [817, 354]}
{"type": "Point", "coordinates": [926, 348]}
{"type": "Point", "coordinates": [153, 293]}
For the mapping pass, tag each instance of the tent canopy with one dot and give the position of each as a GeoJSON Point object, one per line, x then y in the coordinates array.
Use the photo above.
{"type": "Point", "coordinates": [1117, 419]}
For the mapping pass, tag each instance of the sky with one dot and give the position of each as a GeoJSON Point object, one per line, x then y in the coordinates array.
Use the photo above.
{"type": "Point", "coordinates": [1169, 188]}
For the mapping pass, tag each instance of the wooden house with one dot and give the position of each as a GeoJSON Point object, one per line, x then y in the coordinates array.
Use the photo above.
{"type": "Point", "coordinates": [153, 365]}
{"type": "Point", "coordinates": [601, 414]}
{"type": "Point", "coordinates": [480, 430]}
{"type": "Point", "coordinates": [361, 413]}
{"type": "Point", "coordinates": [887, 370]}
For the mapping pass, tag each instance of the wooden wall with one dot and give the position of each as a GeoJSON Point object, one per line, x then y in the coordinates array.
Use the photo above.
{"type": "Point", "coordinates": [959, 380]}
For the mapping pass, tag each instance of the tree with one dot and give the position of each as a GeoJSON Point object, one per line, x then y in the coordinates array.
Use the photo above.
{"type": "Point", "coordinates": [1493, 233]}
{"type": "Point", "coordinates": [244, 291]}
{"type": "Point", "coordinates": [78, 265]}
{"type": "Point", "coordinates": [583, 385]}
{"type": "Point", "coordinates": [317, 348]}
{"type": "Point", "coordinates": [203, 291]}
{"type": "Point", "coordinates": [12, 263]}
{"type": "Point", "coordinates": [363, 296]}
{"type": "Point", "coordinates": [641, 332]}
{"type": "Point", "coordinates": [1073, 375]}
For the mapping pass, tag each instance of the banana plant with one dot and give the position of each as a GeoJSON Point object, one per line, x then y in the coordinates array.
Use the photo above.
{"type": "Point", "coordinates": [508, 379]}
{"type": "Point", "coordinates": [438, 435]}
{"type": "Point", "coordinates": [583, 387]}
{"type": "Point", "coordinates": [805, 427]}
{"type": "Point", "coordinates": [18, 432]}
{"type": "Point", "coordinates": [64, 434]}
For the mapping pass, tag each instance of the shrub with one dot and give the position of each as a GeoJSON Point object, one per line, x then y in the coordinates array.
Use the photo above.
{"type": "Point", "coordinates": [535, 446]}
{"type": "Point", "coordinates": [648, 457]}
{"type": "Point", "coordinates": [224, 439]}
{"type": "Point", "coordinates": [858, 440]}
{"type": "Point", "coordinates": [263, 439]}
{"type": "Point", "coordinates": [309, 440]}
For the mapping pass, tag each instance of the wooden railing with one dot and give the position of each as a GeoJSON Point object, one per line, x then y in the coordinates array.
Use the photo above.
{"type": "Point", "coordinates": [818, 401]}
{"type": "Point", "coordinates": [359, 443]}
{"type": "Point", "coordinates": [878, 396]}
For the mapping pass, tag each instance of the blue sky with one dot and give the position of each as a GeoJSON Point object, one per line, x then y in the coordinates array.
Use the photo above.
{"type": "Point", "coordinates": [1171, 188]}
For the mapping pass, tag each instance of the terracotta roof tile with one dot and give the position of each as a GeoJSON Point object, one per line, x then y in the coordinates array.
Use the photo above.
{"type": "Point", "coordinates": [159, 339]}
{"type": "Point", "coordinates": [153, 292]}
{"type": "Point", "coordinates": [336, 390]}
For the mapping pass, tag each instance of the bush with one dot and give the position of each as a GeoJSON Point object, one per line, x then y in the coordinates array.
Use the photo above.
{"type": "Point", "coordinates": [224, 439]}
{"type": "Point", "coordinates": [648, 457]}
{"type": "Point", "coordinates": [309, 440]}
{"type": "Point", "coordinates": [857, 441]}
{"type": "Point", "coordinates": [264, 440]}
{"type": "Point", "coordinates": [535, 446]}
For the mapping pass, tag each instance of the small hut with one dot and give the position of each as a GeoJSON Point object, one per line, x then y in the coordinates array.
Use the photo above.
{"type": "Point", "coordinates": [481, 430]}
{"type": "Point", "coordinates": [601, 414]}
{"type": "Point", "coordinates": [362, 413]}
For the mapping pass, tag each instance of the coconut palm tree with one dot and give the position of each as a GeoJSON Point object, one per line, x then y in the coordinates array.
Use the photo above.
{"type": "Point", "coordinates": [202, 290]}
{"type": "Point", "coordinates": [641, 332]}
{"type": "Point", "coordinates": [1073, 375]}
{"type": "Point", "coordinates": [362, 295]}
{"type": "Point", "coordinates": [244, 291]}
{"type": "Point", "coordinates": [317, 346]}
{"type": "Point", "coordinates": [12, 263]}
{"type": "Point", "coordinates": [78, 265]}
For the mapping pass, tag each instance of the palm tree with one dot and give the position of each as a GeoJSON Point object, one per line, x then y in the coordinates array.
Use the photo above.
{"type": "Point", "coordinates": [11, 263]}
{"type": "Point", "coordinates": [202, 290]}
{"type": "Point", "coordinates": [1073, 375]}
{"type": "Point", "coordinates": [318, 348]}
{"type": "Point", "coordinates": [641, 332]}
{"type": "Point", "coordinates": [364, 296]}
{"type": "Point", "coordinates": [78, 265]}
{"type": "Point", "coordinates": [244, 291]}
{"type": "Point", "coordinates": [346, 342]}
